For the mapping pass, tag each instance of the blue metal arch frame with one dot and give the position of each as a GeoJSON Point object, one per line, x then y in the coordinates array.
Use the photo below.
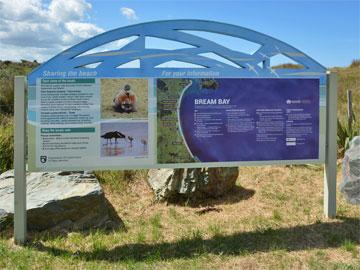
{"type": "Point", "coordinates": [73, 59]}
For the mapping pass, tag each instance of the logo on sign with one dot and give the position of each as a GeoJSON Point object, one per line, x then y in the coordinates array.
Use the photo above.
{"type": "Point", "coordinates": [298, 101]}
{"type": "Point", "coordinates": [43, 159]}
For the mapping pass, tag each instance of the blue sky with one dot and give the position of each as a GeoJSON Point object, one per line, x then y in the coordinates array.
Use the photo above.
{"type": "Point", "coordinates": [328, 31]}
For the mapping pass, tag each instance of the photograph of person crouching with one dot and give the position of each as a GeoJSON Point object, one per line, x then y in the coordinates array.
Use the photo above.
{"type": "Point", "coordinates": [125, 100]}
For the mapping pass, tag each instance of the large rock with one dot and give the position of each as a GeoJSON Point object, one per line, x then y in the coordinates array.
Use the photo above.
{"type": "Point", "coordinates": [350, 186]}
{"type": "Point", "coordinates": [171, 184]}
{"type": "Point", "coordinates": [59, 200]}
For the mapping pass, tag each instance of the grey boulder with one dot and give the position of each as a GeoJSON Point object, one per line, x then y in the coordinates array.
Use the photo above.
{"type": "Point", "coordinates": [169, 184]}
{"type": "Point", "coordinates": [59, 200]}
{"type": "Point", "coordinates": [350, 186]}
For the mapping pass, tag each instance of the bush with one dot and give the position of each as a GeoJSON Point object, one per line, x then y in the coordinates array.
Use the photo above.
{"type": "Point", "coordinates": [6, 92]}
{"type": "Point", "coordinates": [288, 66]}
{"type": "Point", "coordinates": [6, 143]}
{"type": "Point", "coordinates": [345, 133]}
{"type": "Point", "coordinates": [355, 63]}
{"type": "Point", "coordinates": [8, 71]}
{"type": "Point", "coordinates": [118, 180]}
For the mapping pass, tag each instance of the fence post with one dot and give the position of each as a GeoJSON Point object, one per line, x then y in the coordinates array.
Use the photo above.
{"type": "Point", "coordinates": [331, 147]}
{"type": "Point", "coordinates": [349, 109]}
{"type": "Point", "coordinates": [19, 160]}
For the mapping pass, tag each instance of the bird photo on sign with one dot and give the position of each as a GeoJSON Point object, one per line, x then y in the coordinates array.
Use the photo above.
{"type": "Point", "coordinates": [124, 139]}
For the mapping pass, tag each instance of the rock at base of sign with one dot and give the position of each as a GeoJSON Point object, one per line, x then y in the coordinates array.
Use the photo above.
{"type": "Point", "coordinates": [59, 201]}
{"type": "Point", "coordinates": [173, 184]}
{"type": "Point", "coordinates": [350, 186]}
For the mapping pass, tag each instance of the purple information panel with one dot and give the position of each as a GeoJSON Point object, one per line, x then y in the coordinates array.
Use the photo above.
{"type": "Point", "coordinates": [223, 120]}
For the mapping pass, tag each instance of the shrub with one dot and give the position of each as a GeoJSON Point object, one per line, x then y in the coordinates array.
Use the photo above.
{"type": "Point", "coordinates": [288, 66]}
{"type": "Point", "coordinates": [8, 71]}
{"type": "Point", "coordinates": [6, 143]}
{"type": "Point", "coordinates": [6, 94]}
{"type": "Point", "coordinates": [118, 180]}
{"type": "Point", "coordinates": [355, 63]}
{"type": "Point", "coordinates": [345, 133]}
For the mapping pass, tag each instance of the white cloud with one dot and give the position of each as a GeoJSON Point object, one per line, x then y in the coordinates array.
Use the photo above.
{"type": "Point", "coordinates": [33, 30]}
{"type": "Point", "coordinates": [129, 13]}
{"type": "Point", "coordinates": [16, 10]}
{"type": "Point", "coordinates": [82, 30]}
{"type": "Point", "coordinates": [68, 10]}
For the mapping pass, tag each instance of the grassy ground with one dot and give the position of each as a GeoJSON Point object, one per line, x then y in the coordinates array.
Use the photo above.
{"type": "Point", "coordinates": [273, 221]}
{"type": "Point", "coordinates": [109, 89]}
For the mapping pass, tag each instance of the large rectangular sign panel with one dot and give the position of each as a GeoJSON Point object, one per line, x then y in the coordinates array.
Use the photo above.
{"type": "Point", "coordinates": [114, 123]}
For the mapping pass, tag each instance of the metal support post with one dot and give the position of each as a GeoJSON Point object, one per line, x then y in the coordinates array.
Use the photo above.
{"type": "Point", "coordinates": [331, 147]}
{"type": "Point", "coordinates": [19, 161]}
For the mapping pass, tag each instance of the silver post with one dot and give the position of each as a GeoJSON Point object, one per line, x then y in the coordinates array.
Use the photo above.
{"type": "Point", "coordinates": [19, 161]}
{"type": "Point", "coordinates": [331, 147]}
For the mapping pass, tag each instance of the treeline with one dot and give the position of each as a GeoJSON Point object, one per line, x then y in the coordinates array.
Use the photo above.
{"type": "Point", "coordinates": [8, 70]}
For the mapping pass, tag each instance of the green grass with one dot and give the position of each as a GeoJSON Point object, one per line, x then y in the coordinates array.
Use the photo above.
{"type": "Point", "coordinates": [215, 230]}
{"type": "Point", "coordinates": [156, 232]}
{"type": "Point", "coordinates": [114, 179]}
{"type": "Point", "coordinates": [141, 236]}
{"type": "Point", "coordinates": [276, 215]}
{"type": "Point", "coordinates": [351, 247]}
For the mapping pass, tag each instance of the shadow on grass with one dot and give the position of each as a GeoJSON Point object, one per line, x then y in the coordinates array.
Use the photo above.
{"type": "Point", "coordinates": [235, 195]}
{"type": "Point", "coordinates": [317, 235]}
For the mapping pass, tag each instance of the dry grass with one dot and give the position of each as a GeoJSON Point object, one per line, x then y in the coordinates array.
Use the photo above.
{"type": "Point", "coordinates": [349, 79]}
{"type": "Point", "coordinates": [274, 221]}
{"type": "Point", "coordinates": [109, 89]}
